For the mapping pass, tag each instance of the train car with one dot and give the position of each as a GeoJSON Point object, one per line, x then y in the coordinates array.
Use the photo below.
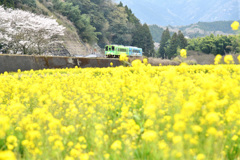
{"type": "Point", "coordinates": [114, 51]}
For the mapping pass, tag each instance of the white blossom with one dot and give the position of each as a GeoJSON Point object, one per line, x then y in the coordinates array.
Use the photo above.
{"type": "Point", "coordinates": [27, 30]}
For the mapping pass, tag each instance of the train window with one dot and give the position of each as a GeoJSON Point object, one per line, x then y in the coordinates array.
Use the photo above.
{"type": "Point", "coordinates": [136, 51]}
{"type": "Point", "coordinates": [113, 48]}
{"type": "Point", "coordinates": [106, 48]}
{"type": "Point", "coordinates": [122, 50]}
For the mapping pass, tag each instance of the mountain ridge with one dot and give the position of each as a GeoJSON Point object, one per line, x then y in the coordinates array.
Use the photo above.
{"type": "Point", "coordinates": [183, 12]}
{"type": "Point", "coordinates": [199, 29]}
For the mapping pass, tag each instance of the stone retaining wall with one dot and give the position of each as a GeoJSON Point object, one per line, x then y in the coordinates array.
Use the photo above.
{"type": "Point", "coordinates": [11, 63]}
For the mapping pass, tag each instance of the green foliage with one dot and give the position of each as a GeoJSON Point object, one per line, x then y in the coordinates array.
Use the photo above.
{"type": "Point", "coordinates": [163, 43]}
{"type": "Point", "coordinates": [100, 21]}
{"type": "Point", "coordinates": [31, 3]}
{"type": "Point", "coordinates": [169, 45]}
{"type": "Point", "coordinates": [148, 46]}
{"type": "Point", "coordinates": [7, 3]}
{"type": "Point", "coordinates": [215, 44]}
{"type": "Point", "coordinates": [181, 40]}
{"type": "Point", "coordinates": [142, 38]}
{"type": "Point", "coordinates": [172, 48]}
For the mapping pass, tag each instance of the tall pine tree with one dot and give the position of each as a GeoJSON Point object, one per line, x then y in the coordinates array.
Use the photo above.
{"type": "Point", "coordinates": [148, 46]}
{"type": "Point", "coordinates": [164, 39]}
{"type": "Point", "coordinates": [143, 39]}
{"type": "Point", "coordinates": [172, 48]}
{"type": "Point", "coordinates": [182, 41]}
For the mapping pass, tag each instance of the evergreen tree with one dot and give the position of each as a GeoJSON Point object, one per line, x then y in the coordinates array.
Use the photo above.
{"type": "Point", "coordinates": [120, 4]}
{"type": "Point", "coordinates": [137, 36]}
{"type": "Point", "coordinates": [172, 49]}
{"type": "Point", "coordinates": [165, 37]}
{"type": "Point", "coordinates": [143, 39]}
{"type": "Point", "coordinates": [148, 46]}
{"type": "Point", "coordinates": [182, 41]}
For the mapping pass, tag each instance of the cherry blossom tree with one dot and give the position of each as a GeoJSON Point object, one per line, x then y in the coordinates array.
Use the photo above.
{"type": "Point", "coordinates": [27, 33]}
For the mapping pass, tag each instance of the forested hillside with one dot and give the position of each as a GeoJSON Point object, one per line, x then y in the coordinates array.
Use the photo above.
{"type": "Point", "coordinates": [96, 21]}
{"type": "Point", "coordinates": [200, 29]}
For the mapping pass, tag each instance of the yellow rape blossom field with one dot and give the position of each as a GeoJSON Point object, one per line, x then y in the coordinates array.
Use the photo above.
{"type": "Point", "coordinates": [140, 112]}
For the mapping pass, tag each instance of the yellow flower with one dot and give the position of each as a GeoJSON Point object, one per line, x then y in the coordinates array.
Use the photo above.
{"type": "Point", "coordinates": [136, 63]}
{"type": "Point", "coordinates": [105, 137]}
{"type": "Point", "coordinates": [106, 156]}
{"type": "Point", "coordinates": [7, 155]}
{"type": "Point", "coordinates": [84, 156]}
{"type": "Point", "coordinates": [235, 137]}
{"type": "Point", "coordinates": [70, 144]}
{"type": "Point", "coordinates": [82, 139]}
{"type": "Point", "coordinates": [183, 53]}
{"type": "Point", "coordinates": [238, 58]}
{"type": "Point", "coordinates": [183, 64]}
{"type": "Point", "coordinates": [201, 156]}
{"type": "Point", "coordinates": [179, 126]}
{"type": "Point", "coordinates": [177, 139]}
{"type": "Point", "coordinates": [228, 59]}
{"type": "Point", "coordinates": [196, 128]}
{"type": "Point", "coordinates": [111, 64]}
{"type": "Point", "coordinates": [235, 25]}
{"type": "Point", "coordinates": [212, 131]}
{"type": "Point", "coordinates": [149, 123]}
{"type": "Point", "coordinates": [149, 135]}
{"type": "Point", "coordinates": [212, 117]}
{"type": "Point", "coordinates": [123, 57]}
{"type": "Point", "coordinates": [25, 142]}
{"type": "Point", "coordinates": [11, 142]}
{"type": "Point", "coordinates": [217, 59]}
{"type": "Point", "coordinates": [145, 61]}
{"type": "Point", "coordinates": [178, 155]}
{"type": "Point", "coordinates": [117, 145]}
{"type": "Point", "coordinates": [58, 145]}
{"type": "Point", "coordinates": [162, 145]}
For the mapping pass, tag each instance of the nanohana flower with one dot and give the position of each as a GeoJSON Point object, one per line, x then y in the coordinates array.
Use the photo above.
{"type": "Point", "coordinates": [167, 112]}
{"type": "Point", "coordinates": [11, 142]}
{"type": "Point", "coordinates": [201, 156]}
{"type": "Point", "coordinates": [228, 59]}
{"type": "Point", "coordinates": [7, 155]}
{"type": "Point", "coordinates": [136, 63]}
{"type": "Point", "coordinates": [235, 25]}
{"type": "Point", "coordinates": [217, 59]}
{"type": "Point", "coordinates": [117, 145]}
{"type": "Point", "coordinates": [235, 137]}
{"type": "Point", "coordinates": [183, 53]}
{"type": "Point", "coordinates": [123, 57]}
{"type": "Point", "coordinates": [149, 135]}
{"type": "Point", "coordinates": [145, 61]}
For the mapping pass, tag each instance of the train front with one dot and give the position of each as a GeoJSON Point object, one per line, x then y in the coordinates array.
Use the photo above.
{"type": "Point", "coordinates": [109, 51]}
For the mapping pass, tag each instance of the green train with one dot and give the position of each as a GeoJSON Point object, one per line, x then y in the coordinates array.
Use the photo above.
{"type": "Point", "coordinates": [114, 51]}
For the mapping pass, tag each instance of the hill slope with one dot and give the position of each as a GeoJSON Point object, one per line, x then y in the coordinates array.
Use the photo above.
{"type": "Point", "coordinates": [96, 22]}
{"type": "Point", "coordinates": [72, 43]}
